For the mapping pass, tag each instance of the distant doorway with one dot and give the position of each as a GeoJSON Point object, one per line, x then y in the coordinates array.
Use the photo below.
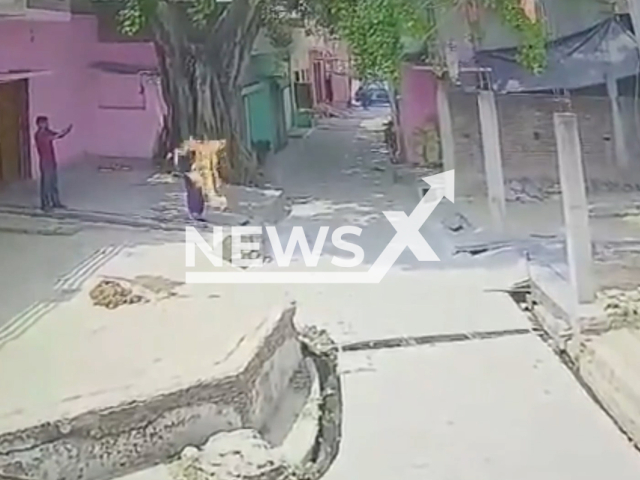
{"type": "Point", "coordinates": [15, 161]}
{"type": "Point", "coordinates": [317, 82]}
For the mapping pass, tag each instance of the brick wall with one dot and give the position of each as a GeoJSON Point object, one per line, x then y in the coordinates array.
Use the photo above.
{"type": "Point", "coordinates": [527, 135]}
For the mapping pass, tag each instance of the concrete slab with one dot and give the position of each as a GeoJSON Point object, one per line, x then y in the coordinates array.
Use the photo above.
{"type": "Point", "coordinates": [296, 449]}
{"type": "Point", "coordinates": [90, 392]}
{"type": "Point", "coordinates": [610, 364]}
{"type": "Point", "coordinates": [486, 410]}
{"type": "Point", "coordinates": [555, 306]}
{"type": "Point", "coordinates": [407, 303]}
{"type": "Point", "coordinates": [425, 303]}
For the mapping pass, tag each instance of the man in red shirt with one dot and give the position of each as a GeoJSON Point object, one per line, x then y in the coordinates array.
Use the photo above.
{"type": "Point", "coordinates": [44, 137]}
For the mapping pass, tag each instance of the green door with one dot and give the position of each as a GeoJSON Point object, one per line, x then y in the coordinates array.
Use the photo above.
{"type": "Point", "coordinates": [258, 110]}
{"type": "Point", "coordinates": [279, 118]}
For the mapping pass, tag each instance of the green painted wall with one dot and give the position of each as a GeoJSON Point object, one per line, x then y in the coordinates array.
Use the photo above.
{"type": "Point", "coordinates": [265, 109]}
{"type": "Point", "coordinates": [259, 114]}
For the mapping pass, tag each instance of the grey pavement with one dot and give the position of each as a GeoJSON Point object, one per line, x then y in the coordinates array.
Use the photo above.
{"type": "Point", "coordinates": [497, 409]}
{"type": "Point", "coordinates": [36, 269]}
{"type": "Point", "coordinates": [494, 409]}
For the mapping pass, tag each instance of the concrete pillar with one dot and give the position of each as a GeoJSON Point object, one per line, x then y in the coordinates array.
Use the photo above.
{"type": "Point", "coordinates": [490, 131]}
{"type": "Point", "coordinates": [575, 207]}
{"type": "Point", "coordinates": [620, 144]}
{"type": "Point", "coordinates": [446, 128]}
{"type": "Point", "coordinates": [634, 11]}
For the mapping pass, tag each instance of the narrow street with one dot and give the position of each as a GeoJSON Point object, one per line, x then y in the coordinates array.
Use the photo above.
{"type": "Point", "coordinates": [488, 409]}
{"type": "Point", "coordinates": [478, 397]}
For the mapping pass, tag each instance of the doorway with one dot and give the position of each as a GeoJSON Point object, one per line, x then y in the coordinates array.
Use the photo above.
{"type": "Point", "coordinates": [318, 82]}
{"type": "Point", "coordinates": [15, 161]}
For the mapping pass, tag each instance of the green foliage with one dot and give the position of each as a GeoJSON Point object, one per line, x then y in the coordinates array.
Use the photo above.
{"type": "Point", "coordinates": [136, 14]}
{"type": "Point", "coordinates": [277, 22]}
{"type": "Point", "coordinates": [374, 30]}
{"type": "Point", "coordinates": [201, 12]}
{"type": "Point", "coordinates": [532, 52]}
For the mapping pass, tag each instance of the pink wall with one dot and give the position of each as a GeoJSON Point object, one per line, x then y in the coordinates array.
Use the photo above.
{"type": "Point", "coordinates": [72, 91]}
{"type": "Point", "coordinates": [341, 91]}
{"type": "Point", "coordinates": [418, 106]}
{"type": "Point", "coordinates": [339, 83]}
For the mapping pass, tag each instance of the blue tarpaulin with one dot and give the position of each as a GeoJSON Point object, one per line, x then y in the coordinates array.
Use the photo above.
{"type": "Point", "coordinates": [580, 60]}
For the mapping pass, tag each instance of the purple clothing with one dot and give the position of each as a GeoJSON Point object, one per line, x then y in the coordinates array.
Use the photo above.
{"type": "Point", "coordinates": [195, 198]}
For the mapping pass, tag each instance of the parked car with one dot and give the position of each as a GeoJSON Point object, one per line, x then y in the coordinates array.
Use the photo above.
{"type": "Point", "coordinates": [378, 94]}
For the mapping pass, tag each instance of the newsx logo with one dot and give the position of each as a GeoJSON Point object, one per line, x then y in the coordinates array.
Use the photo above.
{"type": "Point", "coordinates": [247, 246]}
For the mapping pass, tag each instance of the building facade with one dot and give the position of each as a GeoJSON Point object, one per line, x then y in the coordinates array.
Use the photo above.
{"type": "Point", "coordinates": [58, 67]}
{"type": "Point", "coordinates": [321, 70]}
{"type": "Point", "coordinates": [418, 105]}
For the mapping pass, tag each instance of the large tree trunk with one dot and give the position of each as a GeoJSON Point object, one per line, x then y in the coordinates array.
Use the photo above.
{"type": "Point", "coordinates": [200, 81]}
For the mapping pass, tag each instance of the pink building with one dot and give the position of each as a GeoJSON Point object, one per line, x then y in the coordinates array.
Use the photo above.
{"type": "Point", "coordinates": [321, 69]}
{"type": "Point", "coordinates": [109, 91]}
{"type": "Point", "coordinates": [417, 109]}
{"type": "Point", "coordinates": [330, 77]}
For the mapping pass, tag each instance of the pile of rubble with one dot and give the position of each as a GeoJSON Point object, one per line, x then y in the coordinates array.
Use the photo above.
{"type": "Point", "coordinates": [456, 223]}
{"type": "Point", "coordinates": [622, 307]}
{"type": "Point", "coordinates": [241, 454]}
{"type": "Point", "coordinates": [527, 190]}
{"type": "Point", "coordinates": [610, 186]}
{"type": "Point", "coordinates": [161, 178]}
{"type": "Point", "coordinates": [112, 293]}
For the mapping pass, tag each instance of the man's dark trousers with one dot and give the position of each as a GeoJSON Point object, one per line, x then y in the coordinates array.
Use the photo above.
{"type": "Point", "coordinates": [49, 196]}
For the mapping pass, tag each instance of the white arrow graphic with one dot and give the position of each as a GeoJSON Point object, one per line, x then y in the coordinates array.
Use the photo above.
{"type": "Point", "coordinates": [407, 236]}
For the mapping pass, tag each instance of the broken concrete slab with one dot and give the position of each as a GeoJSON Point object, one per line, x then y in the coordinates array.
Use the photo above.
{"type": "Point", "coordinates": [602, 340]}
{"type": "Point", "coordinates": [554, 304]}
{"type": "Point", "coordinates": [88, 433]}
{"type": "Point", "coordinates": [232, 455]}
{"type": "Point", "coordinates": [102, 392]}
{"type": "Point", "coordinates": [244, 453]}
{"type": "Point", "coordinates": [610, 364]}
{"type": "Point", "coordinates": [457, 222]}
